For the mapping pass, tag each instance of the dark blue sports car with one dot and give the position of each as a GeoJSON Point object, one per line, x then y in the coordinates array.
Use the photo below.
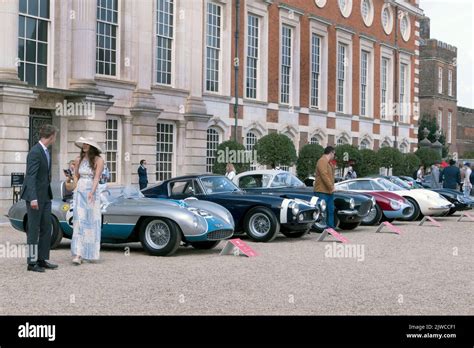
{"type": "Point", "coordinates": [262, 217]}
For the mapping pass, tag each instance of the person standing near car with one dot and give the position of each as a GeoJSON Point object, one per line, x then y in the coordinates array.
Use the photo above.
{"type": "Point", "coordinates": [230, 171]}
{"type": "Point", "coordinates": [451, 176]}
{"type": "Point", "coordinates": [324, 182]}
{"type": "Point", "coordinates": [87, 218]}
{"type": "Point", "coordinates": [435, 176]}
{"type": "Point", "coordinates": [37, 193]}
{"type": "Point", "coordinates": [467, 185]}
{"type": "Point", "coordinates": [142, 175]}
{"type": "Point", "coordinates": [420, 174]}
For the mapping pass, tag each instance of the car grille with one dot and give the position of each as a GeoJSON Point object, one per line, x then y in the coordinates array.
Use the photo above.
{"type": "Point", "coordinates": [364, 208]}
{"type": "Point", "coordinates": [219, 234]}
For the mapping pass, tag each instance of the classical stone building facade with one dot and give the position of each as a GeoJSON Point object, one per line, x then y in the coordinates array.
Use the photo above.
{"type": "Point", "coordinates": [153, 79]}
{"type": "Point", "coordinates": [438, 81]}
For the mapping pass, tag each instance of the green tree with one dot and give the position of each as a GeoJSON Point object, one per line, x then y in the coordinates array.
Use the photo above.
{"type": "Point", "coordinates": [230, 152]}
{"type": "Point", "coordinates": [427, 156]}
{"type": "Point", "coordinates": [410, 162]}
{"type": "Point", "coordinates": [468, 155]}
{"type": "Point", "coordinates": [308, 156]}
{"type": "Point", "coordinates": [389, 157]}
{"type": "Point", "coordinates": [275, 149]}
{"type": "Point", "coordinates": [369, 163]}
{"type": "Point", "coordinates": [429, 121]}
{"type": "Point", "coordinates": [348, 153]}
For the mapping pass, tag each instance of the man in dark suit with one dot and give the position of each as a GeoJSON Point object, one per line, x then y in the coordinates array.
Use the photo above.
{"type": "Point", "coordinates": [142, 175]}
{"type": "Point", "coordinates": [36, 191]}
{"type": "Point", "coordinates": [451, 176]}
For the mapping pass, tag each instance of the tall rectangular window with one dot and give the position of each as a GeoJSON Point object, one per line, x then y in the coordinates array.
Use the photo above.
{"type": "Point", "coordinates": [450, 83]}
{"type": "Point", "coordinates": [364, 70]}
{"type": "Point", "coordinates": [440, 80]}
{"type": "Point", "coordinates": [106, 43]}
{"type": "Point", "coordinates": [440, 119]}
{"type": "Point", "coordinates": [112, 156]}
{"type": "Point", "coordinates": [285, 78]}
{"type": "Point", "coordinates": [315, 69]}
{"type": "Point", "coordinates": [213, 46]}
{"type": "Point", "coordinates": [33, 29]}
{"type": "Point", "coordinates": [384, 88]}
{"type": "Point", "coordinates": [164, 40]}
{"type": "Point", "coordinates": [164, 151]}
{"type": "Point", "coordinates": [341, 75]}
{"type": "Point", "coordinates": [402, 99]}
{"type": "Point", "coordinates": [252, 56]}
{"type": "Point", "coordinates": [450, 126]}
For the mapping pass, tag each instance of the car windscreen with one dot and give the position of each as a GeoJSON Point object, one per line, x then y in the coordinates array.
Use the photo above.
{"type": "Point", "coordinates": [388, 185]}
{"type": "Point", "coordinates": [286, 180]}
{"type": "Point", "coordinates": [218, 184]}
{"type": "Point", "coordinates": [400, 182]}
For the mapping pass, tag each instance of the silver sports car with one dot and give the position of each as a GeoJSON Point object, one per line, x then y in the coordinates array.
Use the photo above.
{"type": "Point", "coordinates": [160, 225]}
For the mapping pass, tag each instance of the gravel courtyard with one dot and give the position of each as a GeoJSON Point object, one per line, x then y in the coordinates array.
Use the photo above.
{"type": "Point", "coordinates": [424, 271]}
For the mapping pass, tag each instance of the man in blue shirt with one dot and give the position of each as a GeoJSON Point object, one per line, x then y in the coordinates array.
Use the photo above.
{"type": "Point", "coordinates": [451, 176]}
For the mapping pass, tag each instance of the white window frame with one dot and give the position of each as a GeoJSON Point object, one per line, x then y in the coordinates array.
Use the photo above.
{"type": "Point", "coordinates": [321, 30]}
{"type": "Point", "coordinates": [344, 38]}
{"type": "Point", "coordinates": [173, 156]}
{"type": "Point", "coordinates": [117, 48]}
{"type": "Point", "coordinates": [450, 82]}
{"type": "Point", "coordinates": [370, 16]}
{"type": "Point", "coordinates": [291, 20]}
{"type": "Point", "coordinates": [219, 140]}
{"type": "Point", "coordinates": [387, 53]}
{"type": "Point", "coordinates": [256, 56]}
{"type": "Point", "coordinates": [389, 27]}
{"type": "Point", "coordinates": [155, 45]}
{"type": "Point", "coordinates": [50, 43]}
{"type": "Point", "coordinates": [368, 47]}
{"type": "Point", "coordinates": [347, 9]}
{"type": "Point", "coordinates": [365, 141]}
{"type": "Point", "coordinates": [118, 153]}
{"type": "Point", "coordinates": [440, 80]}
{"type": "Point", "coordinates": [439, 119]}
{"type": "Point", "coordinates": [260, 10]}
{"type": "Point", "coordinates": [249, 146]}
{"type": "Point", "coordinates": [450, 127]}
{"type": "Point", "coordinates": [405, 105]}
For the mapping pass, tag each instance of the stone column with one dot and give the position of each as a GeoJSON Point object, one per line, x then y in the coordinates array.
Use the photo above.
{"type": "Point", "coordinates": [127, 131]}
{"type": "Point", "coordinates": [15, 101]}
{"type": "Point", "coordinates": [9, 40]}
{"type": "Point", "coordinates": [83, 52]}
{"type": "Point", "coordinates": [196, 116]}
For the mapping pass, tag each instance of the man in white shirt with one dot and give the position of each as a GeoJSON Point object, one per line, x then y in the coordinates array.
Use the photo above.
{"type": "Point", "coordinates": [467, 186]}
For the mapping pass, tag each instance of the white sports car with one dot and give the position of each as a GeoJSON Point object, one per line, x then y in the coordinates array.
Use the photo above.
{"type": "Point", "coordinates": [424, 202]}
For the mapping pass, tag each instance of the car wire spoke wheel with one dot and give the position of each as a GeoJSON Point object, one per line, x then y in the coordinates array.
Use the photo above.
{"type": "Point", "coordinates": [260, 224]}
{"type": "Point", "coordinates": [371, 215]}
{"type": "Point", "coordinates": [157, 234]}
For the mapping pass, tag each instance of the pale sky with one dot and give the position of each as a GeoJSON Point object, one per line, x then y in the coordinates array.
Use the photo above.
{"type": "Point", "coordinates": [452, 22]}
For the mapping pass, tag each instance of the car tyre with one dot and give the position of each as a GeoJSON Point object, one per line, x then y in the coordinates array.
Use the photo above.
{"type": "Point", "coordinates": [348, 225]}
{"type": "Point", "coordinates": [372, 218]}
{"type": "Point", "coordinates": [205, 245]}
{"type": "Point", "coordinates": [261, 224]}
{"type": "Point", "coordinates": [416, 210]}
{"type": "Point", "coordinates": [159, 237]}
{"type": "Point", "coordinates": [56, 232]}
{"type": "Point", "coordinates": [294, 234]}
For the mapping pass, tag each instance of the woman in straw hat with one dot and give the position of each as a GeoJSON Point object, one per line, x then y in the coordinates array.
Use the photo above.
{"type": "Point", "coordinates": [85, 242]}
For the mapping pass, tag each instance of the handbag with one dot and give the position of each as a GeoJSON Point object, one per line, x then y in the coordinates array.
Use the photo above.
{"type": "Point", "coordinates": [71, 184]}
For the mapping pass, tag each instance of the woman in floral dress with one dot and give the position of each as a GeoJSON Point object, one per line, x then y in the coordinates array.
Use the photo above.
{"type": "Point", "coordinates": [87, 217]}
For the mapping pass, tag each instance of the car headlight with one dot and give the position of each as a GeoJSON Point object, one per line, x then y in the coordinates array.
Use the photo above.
{"type": "Point", "coordinates": [395, 204]}
{"type": "Point", "coordinates": [352, 203]}
{"type": "Point", "coordinates": [300, 217]}
{"type": "Point", "coordinates": [322, 205]}
{"type": "Point", "coordinates": [294, 208]}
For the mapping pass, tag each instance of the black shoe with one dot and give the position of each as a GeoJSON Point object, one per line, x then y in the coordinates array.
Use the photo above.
{"type": "Point", "coordinates": [35, 268]}
{"type": "Point", "coordinates": [47, 265]}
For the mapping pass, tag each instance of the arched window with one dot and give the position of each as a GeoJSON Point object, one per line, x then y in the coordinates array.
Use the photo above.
{"type": "Point", "coordinates": [364, 144]}
{"type": "Point", "coordinates": [342, 141]}
{"type": "Point", "coordinates": [213, 140]}
{"type": "Point", "coordinates": [315, 140]}
{"type": "Point", "coordinates": [385, 144]}
{"type": "Point", "coordinates": [403, 148]}
{"type": "Point", "coordinates": [250, 141]}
